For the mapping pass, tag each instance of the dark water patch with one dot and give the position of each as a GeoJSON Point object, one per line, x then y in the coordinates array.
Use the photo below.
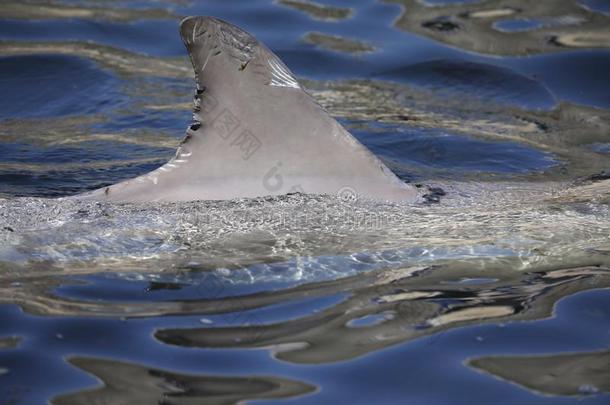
{"type": "Point", "coordinates": [579, 77]}
{"type": "Point", "coordinates": [477, 80]}
{"type": "Point", "coordinates": [50, 182]}
{"type": "Point", "coordinates": [52, 171]}
{"type": "Point", "coordinates": [86, 152]}
{"type": "Point", "coordinates": [455, 153]}
{"type": "Point", "coordinates": [159, 105]}
{"type": "Point", "coordinates": [54, 85]}
{"type": "Point", "coordinates": [201, 295]}
{"type": "Point", "coordinates": [207, 286]}
{"type": "Point", "coordinates": [24, 384]}
{"type": "Point", "coordinates": [602, 6]}
{"type": "Point", "coordinates": [441, 24]}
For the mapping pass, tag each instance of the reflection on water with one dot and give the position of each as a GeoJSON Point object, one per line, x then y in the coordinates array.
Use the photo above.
{"type": "Point", "coordinates": [562, 25]}
{"type": "Point", "coordinates": [560, 374]}
{"type": "Point", "coordinates": [317, 10]}
{"type": "Point", "coordinates": [48, 11]}
{"type": "Point", "coordinates": [317, 323]}
{"type": "Point", "coordinates": [481, 81]}
{"type": "Point", "coordinates": [417, 308]}
{"type": "Point", "coordinates": [494, 286]}
{"type": "Point", "coordinates": [151, 386]}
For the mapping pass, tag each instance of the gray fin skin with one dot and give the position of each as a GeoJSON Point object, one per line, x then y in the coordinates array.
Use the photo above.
{"type": "Point", "coordinates": [256, 133]}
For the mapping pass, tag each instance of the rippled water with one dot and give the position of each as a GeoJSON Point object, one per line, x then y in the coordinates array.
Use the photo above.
{"type": "Point", "coordinates": [494, 289]}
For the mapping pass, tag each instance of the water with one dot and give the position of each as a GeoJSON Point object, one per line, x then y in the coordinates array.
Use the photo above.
{"type": "Point", "coordinates": [494, 290]}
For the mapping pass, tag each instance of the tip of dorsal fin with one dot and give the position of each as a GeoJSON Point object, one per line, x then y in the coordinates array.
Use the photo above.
{"type": "Point", "coordinates": [215, 33]}
{"type": "Point", "coordinates": [209, 39]}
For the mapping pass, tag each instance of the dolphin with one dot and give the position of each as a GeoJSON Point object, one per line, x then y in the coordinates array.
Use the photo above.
{"type": "Point", "coordinates": [256, 132]}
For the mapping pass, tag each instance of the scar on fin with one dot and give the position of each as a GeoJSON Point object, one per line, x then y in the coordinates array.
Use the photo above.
{"type": "Point", "coordinates": [185, 140]}
{"type": "Point", "coordinates": [244, 65]}
{"type": "Point", "coordinates": [107, 190]}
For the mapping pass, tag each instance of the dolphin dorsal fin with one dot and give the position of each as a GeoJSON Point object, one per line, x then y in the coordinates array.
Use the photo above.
{"type": "Point", "coordinates": [256, 132]}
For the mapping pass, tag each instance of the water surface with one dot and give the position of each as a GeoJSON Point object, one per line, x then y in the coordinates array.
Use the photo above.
{"type": "Point", "coordinates": [493, 288]}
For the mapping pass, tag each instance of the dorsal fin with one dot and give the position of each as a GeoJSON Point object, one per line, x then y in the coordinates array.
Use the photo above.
{"type": "Point", "coordinates": [207, 38]}
{"type": "Point", "coordinates": [256, 132]}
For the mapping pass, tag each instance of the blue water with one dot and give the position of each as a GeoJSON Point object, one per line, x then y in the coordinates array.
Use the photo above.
{"type": "Point", "coordinates": [77, 113]}
{"type": "Point", "coordinates": [517, 25]}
